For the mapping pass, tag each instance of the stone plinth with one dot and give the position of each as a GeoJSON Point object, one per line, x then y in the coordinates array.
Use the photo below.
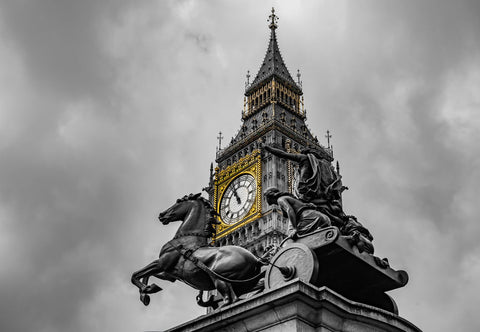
{"type": "Point", "coordinates": [298, 306]}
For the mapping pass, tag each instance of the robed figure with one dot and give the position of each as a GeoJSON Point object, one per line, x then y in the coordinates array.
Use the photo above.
{"type": "Point", "coordinates": [320, 185]}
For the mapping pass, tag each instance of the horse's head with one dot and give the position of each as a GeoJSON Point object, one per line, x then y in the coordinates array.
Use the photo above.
{"type": "Point", "coordinates": [195, 212]}
{"type": "Point", "coordinates": [174, 213]}
{"type": "Point", "coordinates": [179, 210]}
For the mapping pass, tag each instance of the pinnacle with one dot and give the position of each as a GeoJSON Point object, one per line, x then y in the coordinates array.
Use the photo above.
{"type": "Point", "coordinates": [273, 64]}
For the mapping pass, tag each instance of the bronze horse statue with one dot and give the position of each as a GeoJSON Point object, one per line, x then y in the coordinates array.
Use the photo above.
{"type": "Point", "coordinates": [189, 257]}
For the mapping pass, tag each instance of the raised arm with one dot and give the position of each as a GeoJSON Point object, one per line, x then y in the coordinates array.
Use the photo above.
{"type": "Point", "coordinates": [298, 157]}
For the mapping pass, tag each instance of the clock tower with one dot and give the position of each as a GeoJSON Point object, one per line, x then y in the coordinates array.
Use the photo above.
{"type": "Point", "coordinates": [325, 278]}
{"type": "Point", "coordinates": [273, 115]}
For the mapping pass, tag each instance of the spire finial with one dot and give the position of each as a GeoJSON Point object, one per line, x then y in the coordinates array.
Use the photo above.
{"type": "Point", "coordinates": [273, 19]}
{"type": "Point", "coordinates": [328, 136]}
{"type": "Point", "coordinates": [219, 137]}
{"type": "Point", "coordinates": [298, 76]}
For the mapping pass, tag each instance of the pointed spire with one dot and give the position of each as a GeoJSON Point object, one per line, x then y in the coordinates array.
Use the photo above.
{"type": "Point", "coordinates": [328, 136]}
{"type": "Point", "coordinates": [299, 81]}
{"type": "Point", "coordinates": [220, 137]}
{"type": "Point", "coordinates": [273, 64]}
{"type": "Point", "coordinates": [247, 82]}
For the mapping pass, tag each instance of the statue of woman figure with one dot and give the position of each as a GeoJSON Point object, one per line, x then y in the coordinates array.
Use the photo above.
{"type": "Point", "coordinates": [317, 176]}
{"type": "Point", "coordinates": [318, 191]}
{"type": "Point", "coordinates": [303, 216]}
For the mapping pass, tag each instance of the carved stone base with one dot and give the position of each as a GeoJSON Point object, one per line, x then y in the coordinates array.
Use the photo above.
{"type": "Point", "coordinates": [297, 306]}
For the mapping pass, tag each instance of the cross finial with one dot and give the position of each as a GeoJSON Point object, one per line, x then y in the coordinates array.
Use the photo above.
{"type": "Point", "coordinates": [247, 83]}
{"type": "Point", "coordinates": [328, 136]}
{"type": "Point", "coordinates": [273, 19]}
{"type": "Point", "coordinates": [220, 137]}
{"type": "Point", "coordinates": [298, 77]}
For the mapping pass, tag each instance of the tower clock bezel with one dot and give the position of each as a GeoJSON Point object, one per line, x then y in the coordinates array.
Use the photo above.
{"type": "Point", "coordinates": [238, 198]}
{"type": "Point", "coordinates": [251, 165]}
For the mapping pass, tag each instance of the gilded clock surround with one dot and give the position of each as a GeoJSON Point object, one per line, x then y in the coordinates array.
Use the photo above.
{"type": "Point", "coordinates": [250, 164]}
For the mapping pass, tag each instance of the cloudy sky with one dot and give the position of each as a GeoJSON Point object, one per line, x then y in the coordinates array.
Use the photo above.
{"type": "Point", "coordinates": [109, 111]}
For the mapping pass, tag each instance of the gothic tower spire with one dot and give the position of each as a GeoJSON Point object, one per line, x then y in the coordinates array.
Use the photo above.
{"type": "Point", "coordinates": [273, 65]}
{"type": "Point", "coordinates": [273, 115]}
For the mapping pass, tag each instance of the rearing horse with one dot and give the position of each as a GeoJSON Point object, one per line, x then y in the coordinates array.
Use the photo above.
{"type": "Point", "coordinates": [188, 257]}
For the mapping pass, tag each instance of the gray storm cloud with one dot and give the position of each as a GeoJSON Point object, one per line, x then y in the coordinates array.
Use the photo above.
{"type": "Point", "coordinates": [109, 112]}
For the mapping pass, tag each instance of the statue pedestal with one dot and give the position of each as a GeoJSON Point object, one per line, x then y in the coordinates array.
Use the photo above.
{"type": "Point", "coordinates": [298, 306]}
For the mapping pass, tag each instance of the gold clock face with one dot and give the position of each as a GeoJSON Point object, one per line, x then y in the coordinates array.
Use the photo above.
{"type": "Point", "coordinates": [238, 198]}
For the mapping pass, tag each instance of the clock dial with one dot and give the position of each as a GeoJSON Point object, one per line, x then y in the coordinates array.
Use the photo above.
{"type": "Point", "coordinates": [238, 199]}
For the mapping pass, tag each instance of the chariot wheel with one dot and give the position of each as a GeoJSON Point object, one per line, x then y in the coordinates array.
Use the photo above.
{"type": "Point", "coordinates": [294, 261]}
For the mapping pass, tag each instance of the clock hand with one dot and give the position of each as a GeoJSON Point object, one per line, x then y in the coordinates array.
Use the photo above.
{"type": "Point", "coordinates": [239, 201]}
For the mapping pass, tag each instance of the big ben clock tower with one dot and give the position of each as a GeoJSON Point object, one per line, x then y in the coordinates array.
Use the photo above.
{"type": "Point", "coordinates": [274, 115]}
{"type": "Point", "coordinates": [325, 276]}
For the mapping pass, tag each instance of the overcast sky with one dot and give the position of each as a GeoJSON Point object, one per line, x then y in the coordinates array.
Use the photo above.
{"type": "Point", "coordinates": [109, 111]}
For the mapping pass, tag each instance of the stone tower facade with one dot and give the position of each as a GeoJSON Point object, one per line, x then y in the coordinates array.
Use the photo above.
{"type": "Point", "coordinates": [274, 115]}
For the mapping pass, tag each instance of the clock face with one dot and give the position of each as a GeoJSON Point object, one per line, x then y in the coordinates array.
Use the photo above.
{"type": "Point", "coordinates": [238, 198]}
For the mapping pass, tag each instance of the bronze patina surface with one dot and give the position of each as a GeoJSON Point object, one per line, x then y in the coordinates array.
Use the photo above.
{"type": "Point", "coordinates": [188, 257]}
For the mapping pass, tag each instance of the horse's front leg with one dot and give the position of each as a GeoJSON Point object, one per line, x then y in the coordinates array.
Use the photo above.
{"type": "Point", "coordinates": [162, 275]}
{"type": "Point", "coordinates": [143, 275]}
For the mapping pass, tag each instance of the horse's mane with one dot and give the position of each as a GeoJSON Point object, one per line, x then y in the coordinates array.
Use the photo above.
{"type": "Point", "coordinates": [211, 213]}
